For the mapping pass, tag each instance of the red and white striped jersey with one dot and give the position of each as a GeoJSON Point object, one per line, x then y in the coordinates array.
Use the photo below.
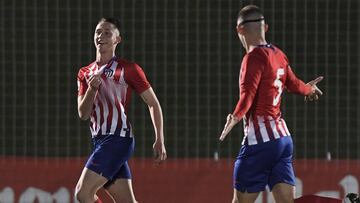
{"type": "Point", "coordinates": [264, 74]}
{"type": "Point", "coordinates": [119, 77]}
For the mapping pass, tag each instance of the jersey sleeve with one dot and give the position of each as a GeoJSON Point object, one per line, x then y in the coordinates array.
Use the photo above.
{"type": "Point", "coordinates": [250, 76]}
{"type": "Point", "coordinates": [295, 85]}
{"type": "Point", "coordinates": [81, 83]}
{"type": "Point", "coordinates": [136, 78]}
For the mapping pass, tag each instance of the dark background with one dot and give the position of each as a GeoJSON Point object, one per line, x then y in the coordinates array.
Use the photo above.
{"type": "Point", "coordinates": [191, 55]}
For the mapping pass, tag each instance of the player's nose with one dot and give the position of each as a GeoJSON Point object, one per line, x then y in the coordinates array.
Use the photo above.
{"type": "Point", "coordinates": [100, 35]}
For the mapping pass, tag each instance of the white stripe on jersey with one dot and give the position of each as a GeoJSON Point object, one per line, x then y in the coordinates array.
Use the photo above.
{"type": "Point", "coordinates": [92, 128]}
{"type": "Point", "coordinates": [281, 128]}
{"type": "Point", "coordinates": [122, 92]}
{"type": "Point", "coordinates": [246, 129]}
{"type": "Point", "coordinates": [109, 94]}
{"type": "Point", "coordinates": [263, 131]}
{"type": "Point", "coordinates": [277, 126]}
{"type": "Point", "coordinates": [273, 128]}
{"type": "Point", "coordinates": [114, 121]}
{"type": "Point", "coordinates": [122, 77]}
{"type": "Point", "coordinates": [113, 68]}
{"type": "Point", "coordinates": [251, 136]}
{"type": "Point", "coordinates": [285, 127]}
{"type": "Point", "coordinates": [102, 99]}
{"type": "Point", "coordinates": [123, 119]}
{"type": "Point", "coordinates": [97, 111]}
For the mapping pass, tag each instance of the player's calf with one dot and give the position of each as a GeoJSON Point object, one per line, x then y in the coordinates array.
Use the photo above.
{"type": "Point", "coordinates": [283, 193]}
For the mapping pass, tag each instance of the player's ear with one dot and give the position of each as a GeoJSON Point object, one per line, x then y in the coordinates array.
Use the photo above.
{"type": "Point", "coordinates": [118, 39]}
{"type": "Point", "coordinates": [266, 27]}
{"type": "Point", "coordinates": [240, 29]}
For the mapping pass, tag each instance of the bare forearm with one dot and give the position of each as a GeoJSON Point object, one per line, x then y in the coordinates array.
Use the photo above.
{"type": "Point", "coordinates": [85, 104]}
{"type": "Point", "coordinates": [157, 119]}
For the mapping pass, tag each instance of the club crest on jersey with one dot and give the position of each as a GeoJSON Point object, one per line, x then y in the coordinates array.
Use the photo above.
{"type": "Point", "coordinates": [108, 72]}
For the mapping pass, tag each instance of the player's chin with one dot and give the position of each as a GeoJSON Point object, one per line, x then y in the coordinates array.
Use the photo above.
{"type": "Point", "coordinates": [102, 48]}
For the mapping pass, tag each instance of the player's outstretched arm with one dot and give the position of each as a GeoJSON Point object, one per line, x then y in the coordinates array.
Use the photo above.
{"type": "Point", "coordinates": [231, 121]}
{"type": "Point", "coordinates": [248, 85]}
{"type": "Point", "coordinates": [315, 91]}
{"type": "Point", "coordinates": [151, 100]}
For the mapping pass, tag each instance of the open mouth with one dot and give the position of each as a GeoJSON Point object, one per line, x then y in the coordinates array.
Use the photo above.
{"type": "Point", "coordinates": [100, 42]}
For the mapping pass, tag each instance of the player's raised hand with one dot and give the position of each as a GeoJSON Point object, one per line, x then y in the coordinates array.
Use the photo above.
{"type": "Point", "coordinates": [231, 121]}
{"type": "Point", "coordinates": [159, 151]}
{"type": "Point", "coordinates": [316, 92]}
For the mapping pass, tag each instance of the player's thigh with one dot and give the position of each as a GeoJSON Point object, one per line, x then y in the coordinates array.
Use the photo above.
{"type": "Point", "coordinates": [244, 197]}
{"type": "Point", "coordinates": [282, 171]}
{"type": "Point", "coordinates": [283, 193]}
{"type": "Point", "coordinates": [90, 182]}
{"type": "Point", "coordinates": [121, 191]}
{"type": "Point", "coordinates": [251, 169]}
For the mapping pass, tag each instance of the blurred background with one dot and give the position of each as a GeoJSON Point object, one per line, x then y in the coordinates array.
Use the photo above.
{"type": "Point", "coordinates": [191, 55]}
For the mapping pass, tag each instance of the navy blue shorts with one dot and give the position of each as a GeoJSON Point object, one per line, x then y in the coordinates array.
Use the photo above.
{"type": "Point", "coordinates": [264, 164]}
{"type": "Point", "coordinates": [110, 156]}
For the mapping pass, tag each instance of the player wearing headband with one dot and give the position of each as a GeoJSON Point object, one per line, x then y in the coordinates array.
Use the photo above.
{"type": "Point", "coordinates": [265, 158]}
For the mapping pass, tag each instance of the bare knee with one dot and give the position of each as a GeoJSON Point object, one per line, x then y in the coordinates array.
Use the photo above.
{"type": "Point", "coordinates": [88, 185]}
{"type": "Point", "coordinates": [283, 193]}
{"type": "Point", "coordinates": [121, 191]}
{"type": "Point", "coordinates": [84, 196]}
{"type": "Point", "coordinates": [119, 197]}
{"type": "Point", "coordinates": [244, 197]}
{"type": "Point", "coordinates": [80, 195]}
